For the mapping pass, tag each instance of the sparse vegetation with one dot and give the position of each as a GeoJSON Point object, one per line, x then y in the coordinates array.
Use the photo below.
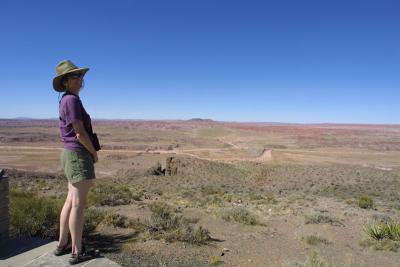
{"type": "Point", "coordinates": [315, 240]}
{"type": "Point", "coordinates": [111, 195]}
{"type": "Point", "coordinates": [321, 218]}
{"type": "Point", "coordinates": [314, 260]}
{"type": "Point", "coordinates": [238, 214]}
{"type": "Point", "coordinates": [212, 190]}
{"type": "Point", "coordinates": [120, 221]}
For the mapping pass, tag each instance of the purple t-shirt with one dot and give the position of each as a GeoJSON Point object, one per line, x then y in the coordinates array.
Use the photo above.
{"type": "Point", "coordinates": [72, 110]}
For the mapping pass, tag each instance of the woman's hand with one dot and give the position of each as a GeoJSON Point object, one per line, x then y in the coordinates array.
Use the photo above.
{"type": "Point", "coordinates": [84, 139]}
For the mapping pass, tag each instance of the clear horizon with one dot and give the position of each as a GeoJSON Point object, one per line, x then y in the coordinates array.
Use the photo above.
{"type": "Point", "coordinates": [239, 61]}
{"type": "Point", "coordinates": [233, 121]}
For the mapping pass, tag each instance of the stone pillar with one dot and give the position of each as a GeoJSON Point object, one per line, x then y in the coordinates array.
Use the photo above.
{"type": "Point", "coordinates": [4, 215]}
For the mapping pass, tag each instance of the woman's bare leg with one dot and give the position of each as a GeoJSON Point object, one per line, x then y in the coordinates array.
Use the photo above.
{"type": "Point", "coordinates": [79, 192]}
{"type": "Point", "coordinates": [64, 220]}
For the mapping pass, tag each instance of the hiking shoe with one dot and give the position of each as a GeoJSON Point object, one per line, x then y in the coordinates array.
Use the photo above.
{"type": "Point", "coordinates": [59, 251]}
{"type": "Point", "coordinates": [84, 256]}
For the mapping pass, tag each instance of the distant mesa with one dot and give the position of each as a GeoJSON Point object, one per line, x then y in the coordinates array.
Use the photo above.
{"type": "Point", "coordinates": [23, 118]}
{"type": "Point", "coordinates": [200, 119]}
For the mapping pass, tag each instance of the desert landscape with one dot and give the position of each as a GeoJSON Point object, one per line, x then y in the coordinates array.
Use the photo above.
{"type": "Point", "coordinates": [207, 193]}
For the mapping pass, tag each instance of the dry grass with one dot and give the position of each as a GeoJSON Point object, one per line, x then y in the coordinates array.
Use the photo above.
{"type": "Point", "coordinates": [318, 218]}
{"type": "Point", "coordinates": [239, 215]}
{"type": "Point", "coordinates": [315, 240]}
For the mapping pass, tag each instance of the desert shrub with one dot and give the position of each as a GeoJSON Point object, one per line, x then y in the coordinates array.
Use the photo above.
{"type": "Point", "coordinates": [163, 217]}
{"type": "Point", "coordinates": [365, 202]}
{"type": "Point", "coordinates": [197, 235]}
{"type": "Point", "coordinates": [316, 240]}
{"type": "Point", "coordinates": [239, 214]}
{"type": "Point", "coordinates": [187, 233]}
{"type": "Point", "coordinates": [320, 218]}
{"type": "Point", "coordinates": [93, 217]}
{"type": "Point", "coordinates": [116, 220]}
{"type": "Point", "coordinates": [111, 195]}
{"type": "Point", "coordinates": [33, 215]}
{"type": "Point", "coordinates": [122, 221]}
{"type": "Point", "coordinates": [166, 224]}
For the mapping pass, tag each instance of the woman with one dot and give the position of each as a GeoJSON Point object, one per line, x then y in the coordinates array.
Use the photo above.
{"type": "Point", "coordinates": [77, 158]}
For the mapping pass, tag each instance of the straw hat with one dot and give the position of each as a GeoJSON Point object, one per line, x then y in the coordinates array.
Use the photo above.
{"type": "Point", "coordinates": [63, 68]}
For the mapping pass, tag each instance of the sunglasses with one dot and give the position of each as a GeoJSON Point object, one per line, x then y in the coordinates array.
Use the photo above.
{"type": "Point", "coordinates": [76, 75]}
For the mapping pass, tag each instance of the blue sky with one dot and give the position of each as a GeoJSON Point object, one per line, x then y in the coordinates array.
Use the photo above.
{"type": "Point", "coordinates": [273, 61]}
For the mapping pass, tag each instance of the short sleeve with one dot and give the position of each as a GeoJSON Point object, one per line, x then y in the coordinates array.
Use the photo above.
{"type": "Point", "coordinates": [72, 110]}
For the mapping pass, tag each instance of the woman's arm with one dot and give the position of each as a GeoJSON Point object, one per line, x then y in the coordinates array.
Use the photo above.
{"type": "Point", "coordinates": [84, 139]}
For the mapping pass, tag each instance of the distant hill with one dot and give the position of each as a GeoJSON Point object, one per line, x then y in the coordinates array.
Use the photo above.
{"type": "Point", "coordinates": [200, 119]}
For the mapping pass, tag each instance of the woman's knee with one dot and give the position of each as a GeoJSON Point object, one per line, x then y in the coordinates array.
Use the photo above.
{"type": "Point", "coordinates": [77, 203]}
{"type": "Point", "coordinates": [79, 193]}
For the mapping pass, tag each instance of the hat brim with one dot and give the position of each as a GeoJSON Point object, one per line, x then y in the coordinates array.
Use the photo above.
{"type": "Point", "coordinates": [57, 84]}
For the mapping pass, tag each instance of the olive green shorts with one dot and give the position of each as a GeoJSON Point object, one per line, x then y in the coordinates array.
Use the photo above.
{"type": "Point", "coordinates": [77, 165]}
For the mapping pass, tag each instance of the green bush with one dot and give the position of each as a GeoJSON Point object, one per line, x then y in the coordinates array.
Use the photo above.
{"type": "Point", "coordinates": [32, 215]}
{"type": "Point", "coordinates": [365, 202]}
{"type": "Point", "coordinates": [240, 215]}
{"type": "Point", "coordinates": [111, 195]}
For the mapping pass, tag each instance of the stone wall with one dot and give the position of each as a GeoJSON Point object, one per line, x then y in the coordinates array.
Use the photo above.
{"type": "Point", "coordinates": [4, 214]}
